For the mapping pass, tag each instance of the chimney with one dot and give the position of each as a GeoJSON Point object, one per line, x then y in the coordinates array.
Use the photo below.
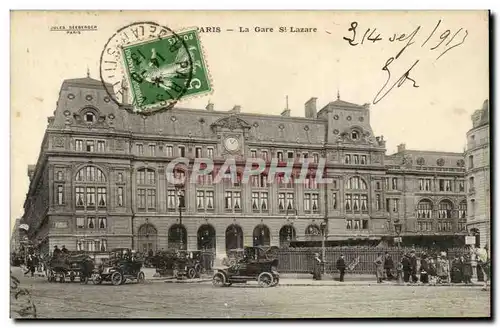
{"type": "Point", "coordinates": [210, 107]}
{"type": "Point", "coordinates": [366, 106]}
{"type": "Point", "coordinates": [125, 92]}
{"type": "Point", "coordinates": [236, 109]}
{"type": "Point", "coordinates": [31, 171]}
{"type": "Point", "coordinates": [286, 113]}
{"type": "Point", "coordinates": [310, 108]}
{"type": "Point", "coordinates": [401, 148]}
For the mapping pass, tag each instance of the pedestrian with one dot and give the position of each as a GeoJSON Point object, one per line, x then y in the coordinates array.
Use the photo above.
{"type": "Point", "coordinates": [467, 270]}
{"type": "Point", "coordinates": [56, 252]}
{"type": "Point", "coordinates": [424, 269]}
{"type": "Point", "coordinates": [64, 250]}
{"type": "Point", "coordinates": [379, 265]}
{"type": "Point", "coordinates": [340, 265]}
{"type": "Point", "coordinates": [399, 272]}
{"type": "Point", "coordinates": [317, 267]}
{"type": "Point", "coordinates": [29, 264]}
{"type": "Point", "coordinates": [406, 268]}
{"type": "Point", "coordinates": [414, 267]}
{"type": "Point", "coordinates": [388, 266]}
{"type": "Point", "coordinates": [443, 268]}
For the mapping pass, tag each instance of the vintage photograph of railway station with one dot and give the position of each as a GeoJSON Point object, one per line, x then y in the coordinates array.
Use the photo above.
{"type": "Point", "coordinates": [391, 191]}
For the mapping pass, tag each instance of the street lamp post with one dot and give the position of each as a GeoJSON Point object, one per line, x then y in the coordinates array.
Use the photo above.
{"type": "Point", "coordinates": [324, 231]}
{"type": "Point", "coordinates": [397, 228]}
{"type": "Point", "coordinates": [180, 193]}
{"type": "Point", "coordinates": [289, 235]}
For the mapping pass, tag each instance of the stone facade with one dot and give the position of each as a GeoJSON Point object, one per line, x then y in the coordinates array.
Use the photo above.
{"type": "Point", "coordinates": [478, 175]}
{"type": "Point", "coordinates": [100, 180]}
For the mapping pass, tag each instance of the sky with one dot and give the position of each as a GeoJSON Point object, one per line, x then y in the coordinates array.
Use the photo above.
{"type": "Point", "coordinates": [257, 70]}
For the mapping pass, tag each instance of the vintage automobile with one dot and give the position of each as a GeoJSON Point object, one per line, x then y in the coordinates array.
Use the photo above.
{"type": "Point", "coordinates": [118, 268]}
{"type": "Point", "coordinates": [179, 263]}
{"type": "Point", "coordinates": [73, 265]}
{"type": "Point", "coordinates": [256, 264]}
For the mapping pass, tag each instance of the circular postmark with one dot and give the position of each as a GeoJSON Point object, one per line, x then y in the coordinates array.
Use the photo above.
{"type": "Point", "coordinates": [146, 67]}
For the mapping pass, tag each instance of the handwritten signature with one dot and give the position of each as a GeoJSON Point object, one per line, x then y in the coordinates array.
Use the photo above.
{"type": "Point", "coordinates": [372, 35]}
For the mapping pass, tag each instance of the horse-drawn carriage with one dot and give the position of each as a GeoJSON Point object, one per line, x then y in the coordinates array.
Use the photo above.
{"type": "Point", "coordinates": [179, 263]}
{"type": "Point", "coordinates": [70, 265]}
{"type": "Point", "coordinates": [120, 265]}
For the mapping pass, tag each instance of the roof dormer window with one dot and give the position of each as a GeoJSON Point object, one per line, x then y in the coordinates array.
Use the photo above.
{"type": "Point", "coordinates": [354, 135]}
{"type": "Point", "coordinates": [90, 117]}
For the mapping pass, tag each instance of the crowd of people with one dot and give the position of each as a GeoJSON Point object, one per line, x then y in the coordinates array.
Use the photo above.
{"type": "Point", "coordinates": [434, 268]}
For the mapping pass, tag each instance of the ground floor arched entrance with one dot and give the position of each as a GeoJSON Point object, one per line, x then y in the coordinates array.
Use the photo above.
{"type": "Point", "coordinates": [234, 237]}
{"type": "Point", "coordinates": [287, 235]}
{"type": "Point", "coordinates": [147, 238]}
{"type": "Point", "coordinates": [261, 236]}
{"type": "Point", "coordinates": [206, 237]}
{"type": "Point", "coordinates": [177, 237]}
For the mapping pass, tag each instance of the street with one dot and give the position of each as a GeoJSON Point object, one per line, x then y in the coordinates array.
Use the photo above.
{"type": "Point", "coordinates": [202, 300]}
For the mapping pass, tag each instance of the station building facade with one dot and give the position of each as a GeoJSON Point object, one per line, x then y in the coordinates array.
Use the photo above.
{"type": "Point", "coordinates": [478, 176]}
{"type": "Point", "coordinates": [100, 180]}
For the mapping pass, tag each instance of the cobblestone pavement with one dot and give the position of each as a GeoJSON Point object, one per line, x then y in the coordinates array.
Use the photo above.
{"type": "Point", "coordinates": [161, 300]}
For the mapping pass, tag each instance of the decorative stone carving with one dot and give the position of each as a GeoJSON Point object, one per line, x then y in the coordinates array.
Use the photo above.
{"type": "Point", "coordinates": [119, 144]}
{"type": "Point", "coordinates": [407, 161]}
{"type": "Point", "coordinates": [232, 123]}
{"type": "Point", "coordinates": [440, 162]}
{"type": "Point", "coordinates": [59, 142]}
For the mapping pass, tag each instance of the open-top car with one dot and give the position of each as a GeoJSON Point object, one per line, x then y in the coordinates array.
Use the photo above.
{"type": "Point", "coordinates": [256, 264]}
{"type": "Point", "coordinates": [121, 266]}
{"type": "Point", "coordinates": [178, 263]}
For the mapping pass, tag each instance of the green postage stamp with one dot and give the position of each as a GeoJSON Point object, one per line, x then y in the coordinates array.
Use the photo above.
{"type": "Point", "coordinates": [164, 70]}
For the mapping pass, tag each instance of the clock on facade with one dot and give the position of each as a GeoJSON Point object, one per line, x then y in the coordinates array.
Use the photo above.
{"type": "Point", "coordinates": [232, 144]}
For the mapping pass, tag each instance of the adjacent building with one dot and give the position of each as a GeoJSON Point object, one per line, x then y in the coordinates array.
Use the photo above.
{"type": "Point", "coordinates": [15, 238]}
{"type": "Point", "coordinates": [478, 176]}
{"type": "Point", "coordinates": [100, 180]}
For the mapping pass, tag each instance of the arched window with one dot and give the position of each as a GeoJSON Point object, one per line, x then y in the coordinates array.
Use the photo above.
{"type": "Point", "coordinates": [356, 199]}
{"type": "Point", "coordinates": [177, 237]}
{"type": "Point", "coordinates": [356, 183]}
{"type": "Point", "coordinates": [234, 237]}
{"type": "Point", "coordinates": [445, 209]}
{"type": "Point", "coordinates": [146, 189]}
{"type": "Point", "coordinates": [462, 209]}
{"type": "Point", "coordinates": [424, 209]}
{"type": "Point", "coordinates": [90, 188]}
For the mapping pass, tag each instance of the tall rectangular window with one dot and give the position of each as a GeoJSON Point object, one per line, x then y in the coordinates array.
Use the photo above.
{"type": "Point", "coordinates": [90, 196]}
{"type": "Point", "coordinates": [209, 199]}
{"type": "Point", "coordinates": [140, 149]}
{"type": "Point", "coordinates": [80, 196]}
{"type": "Point", "coordinates": [255, 201]}
{"type": "Point", "coordinates": [60, 195]}
{"type": "Point", "coordinates": [315, 158]}
{"type": "Point", "coordinates": [347, 159]}
{"type": "Point", "coordinates": [228, 200]}
{"type": "Point", "coordinates": [281, 201]}
{"type": "Point", "coordinates": [80, 223]}
{"type": "Point", "coordinates": [152, 150]}
{"type": "Point", "coordinates": [120, 196]}
{"type": "Point", "coordinates": [141, 198]}
{"type": "Point", "coordinates": [210, 152]}
{"type": "Point", "coordinates": [290, 201]}
{"type": "Point", "coordinates": [395, 183]}
{"type": "Point", "coordinates": [264, 200]}
{"type": "Point", "coordinates": [197, 153]}
{"type": "Point", "coordinates": [334, 200]}
{"type": "Point", "coordinates": [378, 202]}
{"type": "Point", "coordinates": [265, 155]}
{"type": "Point", "coordinates": [79, 145]}
{"type": "Point", "coordinates": [290, 155]}
{"type": "Point", "coordinates": [280, 156]}
{"type": "Point", "coordinates": [89, 146]}
{"type": "Point", "coordinates": [101, 196]}
{"type": "Point", "coordinates": [171, 199]}
{"type": "Point", "coordinates": [151, 198]}
{"type": "Point", "coordinates": [182, 151]}
{"type": "Point", "coordinates": [101, 146]}
{"type": "Point", "coordinates": [200, 199]}
{"type": "Point", "coordinates": [471, 162]}
{"type": "Point", "coordinates": [169, 151]}
{"type": "Point", "coordinates": [253, 153]}
{"type": "Point", "coordinates": [103, 222]}
{"type": "Point", "coordinates": [395, 205]}
{"type": "Point", "coordinates": [355, 159]}
{"type": "Point", "coordinates": [307, 202]}
{"type": "Point", "coordinates": [237, 200]}
{"type": "Point", "coordinates": [363, 159]}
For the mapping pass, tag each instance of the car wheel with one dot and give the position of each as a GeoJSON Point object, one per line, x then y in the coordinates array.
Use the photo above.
{"type": "Point", "coordinates": [265, 279]}
{"type": "Point", "coordinates": [116, 278]}
{"type": "Point", "coordinates": [275, 282]}
{"type": "Point", "coordinates": [140, 277]}
{"type": "Point", "coordinates": [191, 274]}
{"type": "Point", "coordinates": [219, 280]}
